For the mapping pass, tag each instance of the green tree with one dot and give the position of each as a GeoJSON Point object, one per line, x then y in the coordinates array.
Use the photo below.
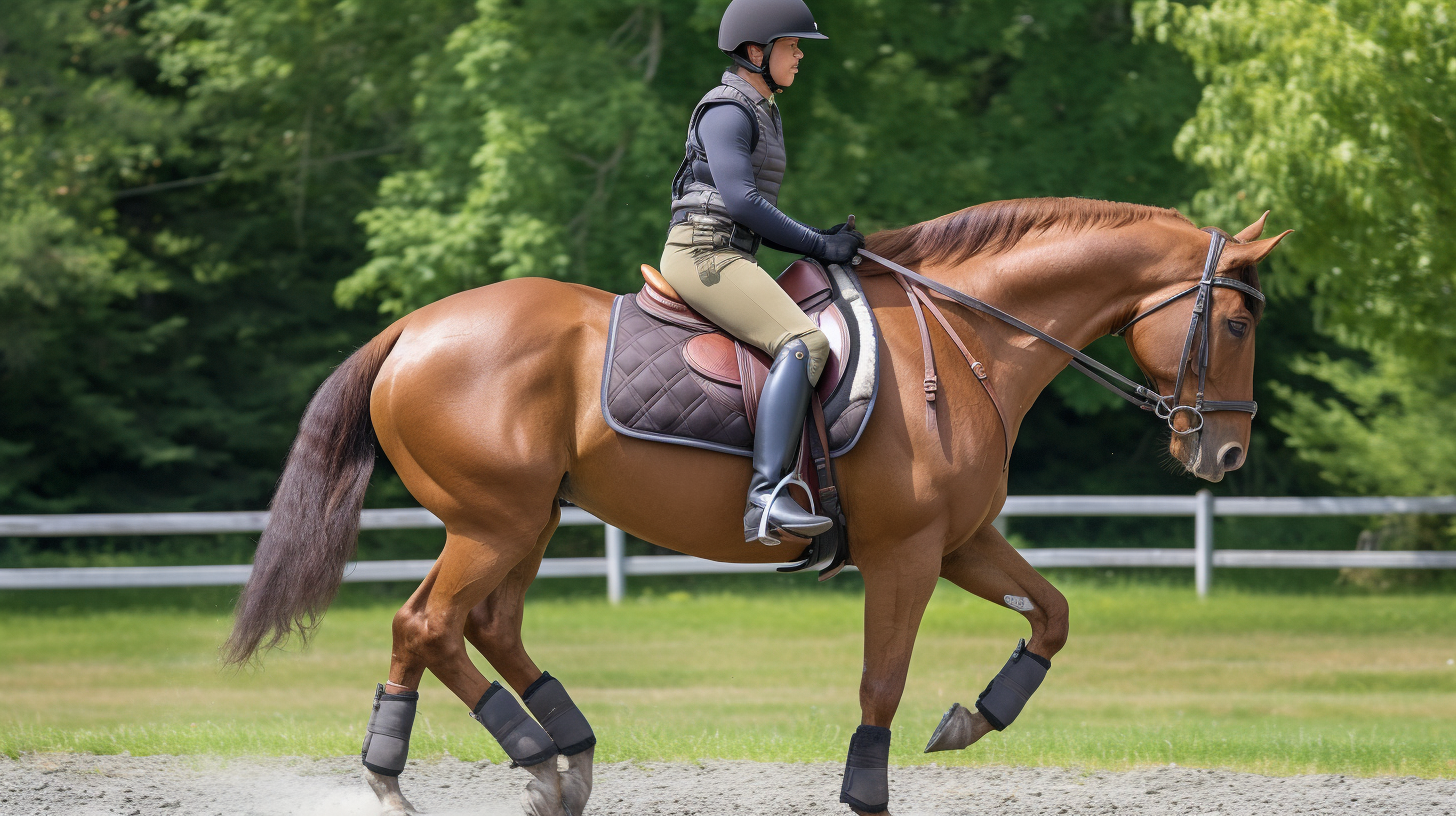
{"type": "Point", "coordinates": [178, 198]}
{"type": "Point", "coordinates": [1338, 117]}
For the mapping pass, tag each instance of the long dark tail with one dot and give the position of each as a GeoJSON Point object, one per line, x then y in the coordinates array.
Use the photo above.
{"type": "Point", "coordinates": [313, 526]}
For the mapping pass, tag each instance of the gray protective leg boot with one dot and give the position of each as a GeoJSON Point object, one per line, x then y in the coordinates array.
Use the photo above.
{"type": "Point", "coordinates": [386, 738]}
{"type": "Point", "coordinates": [1009, 690]}
{"type": "Point", "coordinates": [867, 770]}
{"type": "Point", "coordinates": [781, 410]}
{"type": "Point", "coordinates": [563, 721]}
{"type": "Point", "coordinates": [523, 739]}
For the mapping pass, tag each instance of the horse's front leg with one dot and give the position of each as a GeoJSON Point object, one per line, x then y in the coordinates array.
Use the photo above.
{"type": "Point", "coordinates": [991, 568]}
{"type": "Point", "coordinates": [898, 583]}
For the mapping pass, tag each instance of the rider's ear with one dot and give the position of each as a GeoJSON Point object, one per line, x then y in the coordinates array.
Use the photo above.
{"type": "Point", "coordinates": [1236, 256]}
{"type": "Point", "coordinates": [1252, 231]}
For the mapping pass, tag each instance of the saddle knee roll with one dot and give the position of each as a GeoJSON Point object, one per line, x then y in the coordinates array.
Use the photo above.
{"type": "Point", "coordinates": [564, 723]}
{"type": "Point", "coordinates": [386, 738]}
{"type": "Point", "coordinates": [1009, 690]}
{"type": "Point", "coordinates": [522, 738]}
{"type": "Point", "coordinates": [867, 770]}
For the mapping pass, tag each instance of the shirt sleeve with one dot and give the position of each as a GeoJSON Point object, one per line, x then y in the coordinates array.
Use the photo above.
{"type": "Point", "coordinates": [726, 133]}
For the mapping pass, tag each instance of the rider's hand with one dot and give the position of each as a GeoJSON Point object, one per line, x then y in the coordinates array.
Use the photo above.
{"type": "Point", "coordinates": [835, 230]}
{"type": "Point", "coordinates": [840, 247]}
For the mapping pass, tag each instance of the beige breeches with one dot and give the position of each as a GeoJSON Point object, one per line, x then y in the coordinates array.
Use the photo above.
{"type": "Point", "coordinates": [727, 287]}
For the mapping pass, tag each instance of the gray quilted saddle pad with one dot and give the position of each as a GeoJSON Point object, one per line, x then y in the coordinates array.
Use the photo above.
{"type": "Point", "coordinates": [670, 376]}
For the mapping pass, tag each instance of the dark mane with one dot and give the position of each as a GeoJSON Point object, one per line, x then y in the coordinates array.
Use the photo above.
{"type": "Point", "coordinates": [997, 226]}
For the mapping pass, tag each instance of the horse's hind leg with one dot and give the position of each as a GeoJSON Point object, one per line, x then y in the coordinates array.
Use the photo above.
{"type": "Point", "coordinates": [494, 628]}
{"type": "Point", "coordinates": [428, 634]}
{"type": "Point", "coordinates": [991, 568]}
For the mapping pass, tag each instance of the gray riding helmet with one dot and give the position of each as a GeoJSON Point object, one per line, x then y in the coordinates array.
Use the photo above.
{"type": "Point", "coordinates": [761, 22]}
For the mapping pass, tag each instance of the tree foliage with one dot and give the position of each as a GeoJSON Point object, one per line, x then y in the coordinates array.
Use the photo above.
{"type": "Point", "coordinates": [1339, 117]}
{"type": "Point", "coordinates": [205, 204]}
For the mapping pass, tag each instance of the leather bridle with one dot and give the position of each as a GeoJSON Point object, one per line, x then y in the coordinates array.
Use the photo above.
{"type": "Point", "coordinates": [1164, 406]}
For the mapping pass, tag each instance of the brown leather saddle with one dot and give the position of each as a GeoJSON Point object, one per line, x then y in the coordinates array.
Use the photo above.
{"type": "Point", "coordinates": [672, 376]}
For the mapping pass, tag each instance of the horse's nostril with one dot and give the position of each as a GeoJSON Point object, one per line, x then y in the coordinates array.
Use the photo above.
{"type": "Point", "coordinates": [1233, 456]}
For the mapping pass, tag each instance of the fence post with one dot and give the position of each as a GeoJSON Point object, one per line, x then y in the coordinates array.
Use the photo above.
{"type": "Point", "coordinates": [1203, 543]}
{"type": "Point", "coordinates": [616, 564]}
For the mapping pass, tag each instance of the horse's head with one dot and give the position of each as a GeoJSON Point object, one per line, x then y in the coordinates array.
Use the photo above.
{"type": "Point", "coordinates": [1211, 441]}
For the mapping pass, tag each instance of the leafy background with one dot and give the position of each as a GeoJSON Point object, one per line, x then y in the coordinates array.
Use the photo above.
{"type": "Point", "coordinates": [205, 205]}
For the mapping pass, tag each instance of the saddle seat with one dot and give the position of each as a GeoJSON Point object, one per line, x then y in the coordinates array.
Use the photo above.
{"type": "Point", "coordinates": [717, 356]}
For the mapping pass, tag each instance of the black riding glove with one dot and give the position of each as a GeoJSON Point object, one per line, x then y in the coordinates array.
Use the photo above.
{"type": "Point", "coordinates": [840, 247]}
{"type": "Point", "coordinates": [834, 230]}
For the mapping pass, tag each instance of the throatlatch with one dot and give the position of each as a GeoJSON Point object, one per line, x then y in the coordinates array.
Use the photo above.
{"type": "Point", "coordinates": [867, 771]}
{"type": "Point", "coordinates": [386, 738]}
{"type": "Point", "coordinates": [559, 716]}
{"type": "Point", "coordinates": [1009, 690]}
{"type": "Point", "coordinates": [523, 739]}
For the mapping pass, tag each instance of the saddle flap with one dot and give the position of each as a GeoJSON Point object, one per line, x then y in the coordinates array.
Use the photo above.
{"type": "Point", "coordinates": [714, 356]}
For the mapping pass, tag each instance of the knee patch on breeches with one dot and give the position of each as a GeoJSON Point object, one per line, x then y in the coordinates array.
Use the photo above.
{"type": "Point", "coordinates": [818, 347]}
{"type": "Point", "coordinates": [386, 738]}
{"type": "Point", "coordinates": [522, 738]}
{"type": "Point", "coordinates": [867, 771]}
{"type": "Point", "coordinates": [1009, 690]}
{"type": "Point", "coordinates": [563, 721]}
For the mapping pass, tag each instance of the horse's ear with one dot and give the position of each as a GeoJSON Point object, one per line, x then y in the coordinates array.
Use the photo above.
{"type": "Point", "coordinates": [1236, 256]}
{"type": "Point", "coordinates": [1252, 231]}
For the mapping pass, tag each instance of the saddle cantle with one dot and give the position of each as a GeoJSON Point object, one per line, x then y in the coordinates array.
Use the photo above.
{"type": "Point", "coordinates": [672, 376]}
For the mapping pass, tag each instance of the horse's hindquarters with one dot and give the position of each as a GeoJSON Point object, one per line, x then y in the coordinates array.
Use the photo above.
{"type": "Point", "coordinates": [477, 405]}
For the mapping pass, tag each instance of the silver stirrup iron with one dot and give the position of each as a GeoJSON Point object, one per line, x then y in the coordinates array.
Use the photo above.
{"type": "Point", "coordinates": [766, 537]}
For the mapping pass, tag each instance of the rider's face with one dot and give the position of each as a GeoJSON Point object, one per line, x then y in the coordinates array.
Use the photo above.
{"type": "Point", "coordinates": [783, 60]}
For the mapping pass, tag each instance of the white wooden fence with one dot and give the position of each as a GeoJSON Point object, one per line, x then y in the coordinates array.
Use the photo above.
{"type": "Point", "coordinates": [616, 565]}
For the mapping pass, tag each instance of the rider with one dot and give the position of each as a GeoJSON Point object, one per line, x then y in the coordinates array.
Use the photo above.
{"type": "Point", "coordinates": [723, 206]}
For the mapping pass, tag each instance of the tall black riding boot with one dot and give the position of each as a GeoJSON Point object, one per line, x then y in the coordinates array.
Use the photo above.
{"type": "Point", "coordinates": [781, 410]}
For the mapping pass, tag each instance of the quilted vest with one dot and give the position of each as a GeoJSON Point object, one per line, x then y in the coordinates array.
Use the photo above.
{"type": "Point", "coordinates": [692, 194]}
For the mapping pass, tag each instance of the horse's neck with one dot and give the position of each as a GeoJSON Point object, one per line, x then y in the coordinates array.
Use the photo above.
{"type": "Point", "coordinates": [1075, 288]}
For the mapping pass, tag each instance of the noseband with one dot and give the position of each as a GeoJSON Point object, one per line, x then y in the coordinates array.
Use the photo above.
{"type": "Point", "coordinates": [1165, 406]}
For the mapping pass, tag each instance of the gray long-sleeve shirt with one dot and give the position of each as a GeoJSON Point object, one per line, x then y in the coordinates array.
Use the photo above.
{"type": "Point", "coordinates": [726, 134]}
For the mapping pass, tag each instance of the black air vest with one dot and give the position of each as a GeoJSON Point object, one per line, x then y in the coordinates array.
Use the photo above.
{"type": "Point", "coordinates": [692, 188]}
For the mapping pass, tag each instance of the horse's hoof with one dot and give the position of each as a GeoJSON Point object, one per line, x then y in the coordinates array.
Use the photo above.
{"type": "Point", "coordinates": [543, 792]}
{"type": "Point", "coordinates": [391, 801]}
{"type": "Point", "coordinates": [576, 781]}
{"type": "Point", "coordinates": [959, 728]}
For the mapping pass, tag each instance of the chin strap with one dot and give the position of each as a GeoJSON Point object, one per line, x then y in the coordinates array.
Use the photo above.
{"type": "Point", "coordinates": [761, 70]}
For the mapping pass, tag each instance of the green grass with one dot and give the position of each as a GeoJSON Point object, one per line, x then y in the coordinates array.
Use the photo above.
{"type": "Point", "coordinates": [1264, 682]}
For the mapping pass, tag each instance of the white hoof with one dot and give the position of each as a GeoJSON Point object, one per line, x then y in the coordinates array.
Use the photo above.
{"type": "Point", "coordinates": [543, 792]}
{"type": "Point", "coordinates": [959, 728]}
{"type": "Point", "coordinates": [391, 801]}
{"type": "Point", "coordinates": [576, 781]}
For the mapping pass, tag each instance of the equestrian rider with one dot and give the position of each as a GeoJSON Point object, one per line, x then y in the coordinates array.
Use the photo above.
{"type": "Point", "coordinates": [724, 201]}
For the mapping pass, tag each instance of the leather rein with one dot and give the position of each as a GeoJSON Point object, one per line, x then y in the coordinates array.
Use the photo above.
{"type": "Point", "coordinates": [1164, 406]}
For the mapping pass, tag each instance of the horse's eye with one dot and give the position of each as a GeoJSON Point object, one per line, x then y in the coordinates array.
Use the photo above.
{"type": "Point", "coordinates": [1237, 328]}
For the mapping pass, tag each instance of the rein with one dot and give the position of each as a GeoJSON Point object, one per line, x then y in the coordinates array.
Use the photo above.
{"type": "Point", "coordinates": [1164, 406]}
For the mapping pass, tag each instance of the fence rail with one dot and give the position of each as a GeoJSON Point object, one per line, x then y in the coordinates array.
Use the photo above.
{"type": "Point", "coordinates": [616, 566]}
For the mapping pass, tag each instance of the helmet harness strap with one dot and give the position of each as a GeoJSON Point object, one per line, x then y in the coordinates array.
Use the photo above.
{"type": "Point", "coordinates": [761, 70]}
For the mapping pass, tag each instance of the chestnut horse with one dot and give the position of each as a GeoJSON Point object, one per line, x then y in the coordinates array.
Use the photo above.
{"type": "Point", "coordinates": [488, 405]}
